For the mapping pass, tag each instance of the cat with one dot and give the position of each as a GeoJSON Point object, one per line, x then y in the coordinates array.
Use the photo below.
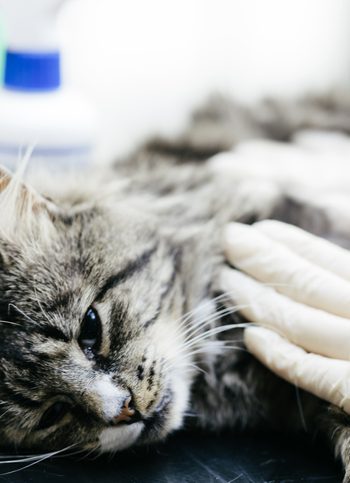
{"type": "Point", "coordinates": [114, 330]}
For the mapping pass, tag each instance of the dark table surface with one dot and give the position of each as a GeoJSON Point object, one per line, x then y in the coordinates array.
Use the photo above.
{"type": "Point", "coordinates": [194, 458]}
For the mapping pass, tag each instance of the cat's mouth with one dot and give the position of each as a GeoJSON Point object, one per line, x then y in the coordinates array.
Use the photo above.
{"type": "Point", "coordinates": [141, 429]}
{"type": "Point", "coordinates": [156, 422]}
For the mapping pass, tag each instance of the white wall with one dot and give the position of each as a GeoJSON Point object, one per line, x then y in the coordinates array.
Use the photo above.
{"type": "Point", "coordinates": [146, 63]}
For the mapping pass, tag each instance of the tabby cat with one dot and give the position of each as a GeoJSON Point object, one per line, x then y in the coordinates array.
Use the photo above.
{"type": "Point", "coordinates": [114, 329]}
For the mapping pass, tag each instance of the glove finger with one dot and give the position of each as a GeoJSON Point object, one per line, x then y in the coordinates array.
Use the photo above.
{"type": "Point", "coordinates": [326, 378]}
{"type": "Point", "coordinates": [314, 249]}
{"type": "Point", "coordinates": [270, 262]}
{"type": "Point", "coordinates": [314, 330]}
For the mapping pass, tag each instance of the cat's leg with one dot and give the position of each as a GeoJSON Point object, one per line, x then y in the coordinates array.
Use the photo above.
{"type": "Point", "coordinates": [335, 423]}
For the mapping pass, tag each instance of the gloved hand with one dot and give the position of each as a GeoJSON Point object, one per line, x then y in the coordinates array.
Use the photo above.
{"type": "Point", "coordinates": [296, 288]}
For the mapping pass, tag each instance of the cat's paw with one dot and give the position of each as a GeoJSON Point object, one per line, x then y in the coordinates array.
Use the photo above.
{"type": "Point", "coordinates": [346, 478]}
{"type": "Point", "coordinates": [336, 425]}
{"type": "Point", "coordinates": [340, 436]}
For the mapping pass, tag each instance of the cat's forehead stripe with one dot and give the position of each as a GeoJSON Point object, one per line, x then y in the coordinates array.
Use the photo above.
{"type": "Point", "coordinates": [51, 332]}
{"type": "Point", "coordinates": [175, 256]}
{"type": "Point", "coordinates": [24, 401]}
{"type": "Point", "coordinates": [130, 269]}
{"type": "Point", "coordinates": [60, 301]}
{"type": "Point", "coordinates": [11, 314]}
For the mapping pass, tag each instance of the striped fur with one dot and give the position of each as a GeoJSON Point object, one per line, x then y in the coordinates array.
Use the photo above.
{"type": "Point", "coordinates": [144, 251]}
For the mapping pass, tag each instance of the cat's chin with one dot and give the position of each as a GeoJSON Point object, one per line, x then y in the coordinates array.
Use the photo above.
{"type": "Point", "coordinates": [120, 437]}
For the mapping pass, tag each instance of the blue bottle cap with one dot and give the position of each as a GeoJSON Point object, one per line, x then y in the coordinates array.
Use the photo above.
{"type": "Point", "coordinates": [32, 71]}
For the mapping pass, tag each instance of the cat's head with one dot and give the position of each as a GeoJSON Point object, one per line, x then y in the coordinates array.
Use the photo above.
{"type": "Point", "coordinates": [91, 351]}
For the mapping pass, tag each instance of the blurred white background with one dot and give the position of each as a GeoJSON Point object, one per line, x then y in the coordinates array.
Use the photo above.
{"type": "Point", "coordinates": [146, 64]}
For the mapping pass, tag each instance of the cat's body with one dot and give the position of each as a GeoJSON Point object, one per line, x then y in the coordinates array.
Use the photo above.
{"type": "Point", "coordinates": [110, 301]}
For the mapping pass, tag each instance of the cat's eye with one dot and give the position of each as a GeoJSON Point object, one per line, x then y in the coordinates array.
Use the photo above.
{"type": "Point", "coordinates": [53, 415]}
{"type": "Point", "coordinates": [90, 333]}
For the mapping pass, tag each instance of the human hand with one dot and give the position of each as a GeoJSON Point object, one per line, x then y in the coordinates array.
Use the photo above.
{"type": "Point", "coordinates": [296, 288]}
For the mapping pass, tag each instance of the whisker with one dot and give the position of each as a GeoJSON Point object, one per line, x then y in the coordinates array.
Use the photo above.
{"type": "Point", "coordinates": [41, 307]}
{"type": "Point", "coordinates": [221, 346]}
{"type": "Point", "coordinates": [214, 331]}
{"type": "Point", "coordinates": [300, 409]}
{"type": "Point", "coordinates": [183, 365]}
{"type": "Point", "coordinates": [21, 312]}
{"type": "Point", "coordinates": [9, 322]}
{"type": "Point", "coordinates": [216, 315]}
{"type": "Point", "coordinates": [225, 295]}
{"type": "Point", "coordinates": [24, 467]}
{"type": "Point", "coordinates": [33, 459]}
{"type": "Point", "coordinates": [201, 323]}
{"type": "Point", "coordinates": [185, 317]}
{"type": "Point", "coordinates": [88, 453]}
{"type": "Point", "coordinates": [204, 350]}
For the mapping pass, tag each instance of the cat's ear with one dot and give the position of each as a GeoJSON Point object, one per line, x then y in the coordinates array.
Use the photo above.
{"type": "Point", "coordinates": [23, 211]}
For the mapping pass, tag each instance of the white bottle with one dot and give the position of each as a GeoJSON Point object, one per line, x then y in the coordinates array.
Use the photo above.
{"type": "Point", "coordinates": [36, 111]}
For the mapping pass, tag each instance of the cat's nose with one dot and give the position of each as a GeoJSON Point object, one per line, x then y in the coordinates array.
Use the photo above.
{"type": "Point", "coordinates": [127, 412]}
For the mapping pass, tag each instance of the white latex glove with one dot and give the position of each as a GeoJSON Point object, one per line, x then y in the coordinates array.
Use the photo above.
{"type": "Point", "coordinates": [296, 287]}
